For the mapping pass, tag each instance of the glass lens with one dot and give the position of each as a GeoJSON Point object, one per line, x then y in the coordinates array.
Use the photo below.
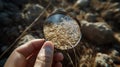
{"type": "Point", "coordinates": [62, 30]}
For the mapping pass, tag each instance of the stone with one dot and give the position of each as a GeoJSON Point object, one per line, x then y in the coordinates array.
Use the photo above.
{"type": "Point", "coordinates": [117, 36]}
{"type": "Point", "coordinates": [11, 7]}
{"type": "Point", "coordinates": [1, 5]}
{"type": "Point", "coordinates": [114, 53]}
{"type": "Point", "coordinates": [98, 33]}
{"type": "Point", "coordinates": [32, 11]}
{"type": "Point", "coordinates": [115, 0]}
{"type": "Point", "coordinates": [17, 17]}
{"type": "Point", "coordinates": [82, 3]}
{"type": "Point", "coordinates": [13, 32]}
{"type": "Point", "coordinates": [116, 47]}
{"type": "Point", "coordinates": [91, 17]}
{"type": "Point", "coordinates": [107, 14]}
{"type": "Point", "coordinates": [4, 19]}
{"type": "Point", "coordinates": [115, 56]}
{"type": "Point", "coordinates": [103, 60]}
{"type": "Point", "coordinates": [20, 3]}
{"type": "Point", "coordinates": [25, 39]}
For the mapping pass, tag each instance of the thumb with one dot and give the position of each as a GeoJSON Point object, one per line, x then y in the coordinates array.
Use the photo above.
{"type": "Point", "coordinates": [45, 55]}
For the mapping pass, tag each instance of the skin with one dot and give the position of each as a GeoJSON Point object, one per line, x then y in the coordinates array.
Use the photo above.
{"type": "Point", "coordinates": [35, 53]}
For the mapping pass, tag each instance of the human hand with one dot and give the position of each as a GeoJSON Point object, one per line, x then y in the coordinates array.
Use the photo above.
{"type": "Point", "coordinates": [35, 53]}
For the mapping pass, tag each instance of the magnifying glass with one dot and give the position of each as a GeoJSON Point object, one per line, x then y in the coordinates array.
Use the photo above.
{"type": "Point", "coordinates": [62, 30]}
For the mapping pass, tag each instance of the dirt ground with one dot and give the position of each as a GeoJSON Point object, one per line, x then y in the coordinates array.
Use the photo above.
{"type": "Point", "coordinates": [22, 21]}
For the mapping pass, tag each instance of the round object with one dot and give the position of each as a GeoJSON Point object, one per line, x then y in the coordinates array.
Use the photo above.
{"type": "Point", "coordinates": [62, 30]}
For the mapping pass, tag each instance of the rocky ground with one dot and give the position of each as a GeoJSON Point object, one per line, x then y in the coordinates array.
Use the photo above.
{"type": "Point", "coordinates": [99, 19]}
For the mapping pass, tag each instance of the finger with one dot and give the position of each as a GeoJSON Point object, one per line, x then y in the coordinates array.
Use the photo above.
{"type": "Point", "coordinates": [58, 57]}
{"type": "Point", "coordinates": [18, 56]}
{"type": "Point", "coordinates": [31, 60]}
{"type": "Point", "coordinates": [29, 47]}
{"type": "Point", "coordinates": [58, 64]}
{"type": "Point", "coordinates": [45, 56]}
{"type": "Point", "coordinates": [15, 60]}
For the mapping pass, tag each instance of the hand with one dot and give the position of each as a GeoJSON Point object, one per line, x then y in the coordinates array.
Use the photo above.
{"type": "Point", "coordinates": [36, 53]}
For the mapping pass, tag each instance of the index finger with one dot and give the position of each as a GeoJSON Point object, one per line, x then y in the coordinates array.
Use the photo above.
{"type": "Point", "coordinates": [31, 46]}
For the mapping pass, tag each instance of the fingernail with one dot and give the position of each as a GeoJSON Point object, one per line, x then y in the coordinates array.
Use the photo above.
{"type": "Point", "coordinates": [46, 50]}
{"type": "Point", "coordinates": [46, 54]}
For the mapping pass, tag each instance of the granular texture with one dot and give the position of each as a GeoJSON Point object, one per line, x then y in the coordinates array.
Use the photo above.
{"type": "Point", "coordinates": [64, 34]}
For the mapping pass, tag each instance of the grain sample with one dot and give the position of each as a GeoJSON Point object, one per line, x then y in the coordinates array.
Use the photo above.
{"type": "Point", "coordinates": [64, 34]}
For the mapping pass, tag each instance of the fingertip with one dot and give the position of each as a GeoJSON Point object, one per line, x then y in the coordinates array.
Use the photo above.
{"type": "Point", "coordinates": [29, 47]}
{"type": "Point", "coordinates": [58, 57]}
{"type": "Point", "coordinates": [45, 55]}
{"type": "Point", "coordinates": [58, 64]}
{"type": "Point", "coordinates": [61, 56]}
{"type": "Point", "coordinates": [49, 43]}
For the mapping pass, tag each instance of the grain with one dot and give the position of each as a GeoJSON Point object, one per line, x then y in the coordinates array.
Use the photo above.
{"type": "Point", "coordinates": [64, 34]}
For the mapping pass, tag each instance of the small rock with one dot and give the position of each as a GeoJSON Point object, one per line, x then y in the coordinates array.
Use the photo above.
{"type": "Point", "coordinates": [17, 17]}
{"type": "Point", "coordinates": [9, 34]}
{"type": "Point", "coordinates": [82, 3]}
{"type": "Point", "coordinates": [117, 47]}
{"type": "Point", "coordinates": [117, 36]}
{"type": "Point", "coordinates": [31, 11]}
{"type": "Point", "coordinates": [107, 14]}
{"type": "Point", "coordinates": [115, 53]}
{"type": "Point", "coordinates": [98, 33]}
{"type": "Point", "coordinates": [70, 1]}
{"type": "Point", "coordinates": [4, 19]}
{"type": "Point", "coordinates": [116, 60]}
{"type": "Point", "coordinates": [12, 32]}
{"type": "Point", "coordinates": [25, 39]}
{"type": "Point", "coordinates": [103, 60]}
{"type": "Point", "coordinates": [11, 7]}
{"type": "Point", "coordinates": [1, 5]}
{"type": "Point", "coordinates": [115, 56]}
{"type": "Point", "coordinates": [20, 3]}
{"type": "Point", "coordinates": [115, 0]}
{"type": "Point", "coordinates": [91, 17]}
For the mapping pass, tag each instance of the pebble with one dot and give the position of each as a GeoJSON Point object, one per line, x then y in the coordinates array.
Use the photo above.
{"type": "Point", "coordinates": [11, 7]}
{"type": "Point", "coordinates": [4, 19]}
{"type": "Point", "coordinates": [117, 47]}
{"type": "Point", "coordinates": [103, 60]}
{"type": "Point", "coordinates": [115, 53]}
{"type": "Point", "coordinates": [90, 17]}
{"type": "Point", "coordinates": [20, 3]}
{"type": "Point", "coordinates": [32, 11]}
{"type": "Point", "coordinates": [25, 39]}
{"type": "Point", "coordinates": [82, 3]}
{"type": "Point", "coordinates": [115, 56]}
{"type": "Point", "coordinates": [107, 14]}
{"type": "Point", "coordinates": [17, 17]}
{"type": "Point", "coordinates": [115, 0]}
{"type": "Point", "coordinates": [1, 5]}
{"type": "Point", "coordinates": [12, 32]}
{"type": "Point", "coordinates": [98, 33]}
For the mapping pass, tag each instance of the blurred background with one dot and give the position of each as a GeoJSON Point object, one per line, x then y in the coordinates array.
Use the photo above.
{"type": "Point", "coordinates": [100, 28]}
